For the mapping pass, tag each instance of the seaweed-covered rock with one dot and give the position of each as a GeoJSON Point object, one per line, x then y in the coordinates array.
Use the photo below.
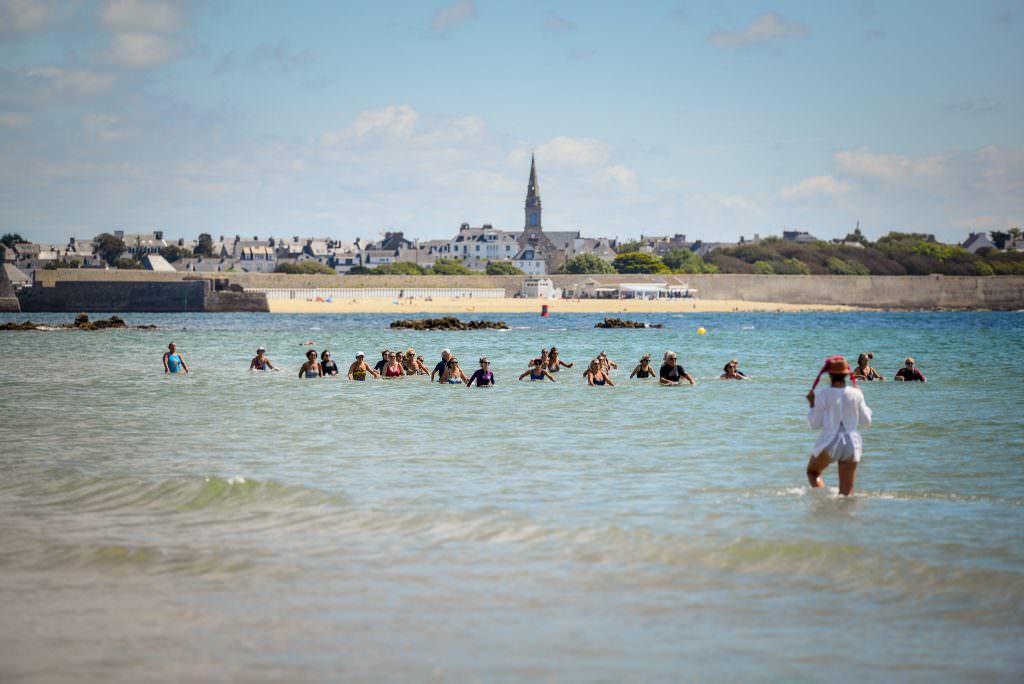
{"type": "Point", "coordinates": [447, 323]}
{"type": "Point", "coordinates": [622, 323]}
{"type": "Point", "coordinates": [81, 322]}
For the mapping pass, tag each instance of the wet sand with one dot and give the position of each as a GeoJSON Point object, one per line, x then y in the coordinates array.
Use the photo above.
{"type": "Point", "coordinates": [515, 305]}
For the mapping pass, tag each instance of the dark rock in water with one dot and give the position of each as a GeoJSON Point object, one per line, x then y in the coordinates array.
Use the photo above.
{"type": "Point", "coordinates": [622, 323]}
{"type": "Point", "coordinates": [447, 323]}
{"type": "Point", "coordinates": [82, 322]}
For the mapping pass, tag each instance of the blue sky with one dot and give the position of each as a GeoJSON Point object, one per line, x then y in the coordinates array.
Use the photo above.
{"type": "Point", "coordinates": [347, 119]}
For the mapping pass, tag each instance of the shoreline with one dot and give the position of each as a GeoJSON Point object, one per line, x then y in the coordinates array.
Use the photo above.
{"type": "Point", "coordinates": [555, 306]}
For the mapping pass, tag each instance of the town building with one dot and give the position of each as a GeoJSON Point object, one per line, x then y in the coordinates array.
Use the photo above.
{"type": "Point", "coordinates": [976, 242]}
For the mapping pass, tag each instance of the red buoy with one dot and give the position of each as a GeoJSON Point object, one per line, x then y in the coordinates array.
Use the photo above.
{"type": "Point", "coordinates": [544, 310]}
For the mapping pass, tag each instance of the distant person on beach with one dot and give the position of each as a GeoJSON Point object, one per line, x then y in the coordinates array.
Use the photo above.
{"type": "Point", "coordinates": [260, 362]}
{"type": "Point", "coordinates": [909, 372]}
{"type": "Point", "coordinates": [643, 369]}
{"type": "Point", "coordinates": [453, 373]}
{"type": "Point", "coordinates": [327, 364]}
{"type": "Point", "coordinates": [482, 376]}
{"type": "Point", "coordinates": [863, 371]}
{"type": "Point", "coordinates": [538, 372]}
{"type": "Point", "coordinates": [359, 368]}
{"type": "Point", "coordinates": [441, 366]}
{"type": "Point", "coordinates": [731, 371]}
{"type": "Point", "coordinates": [672, 373]}
{"type": "Point", "coordinates": [554, 363]}
{"type": "Point", "coordinates": [393, 368]}
{"type": "Point", "coordinates": [380, 365]}
{"type": "Point", "coordinates": [838, 411]}
{"type": "Point", "coordinates": [596, 375]}
{"type": "Point", "coordinates": [173, 362]}
{"type": "Point", "coordinates": [311, 368]}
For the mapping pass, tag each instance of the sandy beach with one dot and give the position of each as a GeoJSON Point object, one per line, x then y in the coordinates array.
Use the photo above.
{"type": "Point", "coordinates": [513, 305]}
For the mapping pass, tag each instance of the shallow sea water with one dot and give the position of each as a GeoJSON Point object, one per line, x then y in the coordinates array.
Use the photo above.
{"type": "Point", "coordinates": [237, 526]}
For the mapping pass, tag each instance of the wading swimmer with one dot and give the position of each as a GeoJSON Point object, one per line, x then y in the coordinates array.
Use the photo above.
{"type": "Point", "coordinates": [260, 362]}
{"type": "Point", "coordinates": [453, 373]}
{"type": "Point", "coordinates": [838, 411]}
{"type": "Point", "coordinates": [310, 369]}
{"type": "Point", "coordinates": [538, 372]}
{"type": "Point", "coordinates": [643, 369]}
{"type": "Point", "coordinates": [731, 371]}
{"type": "Point", "coordinates": [327, 364]}
{"type": "Point", "coordinates": [909, 372]}
{"type": "Point", "coordinates": [380, 365]}
{"type": "Point", "coordinates": [393, 367]}
{"type": "Point", "coordinates": [606, 363]}
{"type": "Point", "coordinates": [173, 363]}
{"type": "Point", "coordinates": [441, 366]}
{"type": "Point", "coordinates": [671, 373]}
{"type": "Point", "coordinates": [482, 376]}
{"type": "Point", "coordinates": [863, 371]}
{"type": "Point", "coordinates": [597, 375]}
{"type": "Point", "coordinates": [359, 368]}
{"type": "Point", "coordinates": [554, 363]}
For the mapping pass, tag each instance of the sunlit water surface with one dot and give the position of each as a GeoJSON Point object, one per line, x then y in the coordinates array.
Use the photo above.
{"type": "Point", "coordinates": [241, 526]}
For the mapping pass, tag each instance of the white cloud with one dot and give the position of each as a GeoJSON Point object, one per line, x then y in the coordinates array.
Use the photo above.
{"type": "Point", "coordinates": [767, 28]}
{"type": "Point", "coordinates": [141, 49]}
{"type": "Point", "coordinates": [740, 202]}
{"type": "Point", "coordinates": [141, 15]}
{"type": "Point", "coordinates": [891, 167]}
{"type": "Point", "coordinates": [451, 15]}
{"type": "Point", "coordinates": [392, 123]}
{"type": "Point", "coordinates": [817, 186]}
{"type": "Point", "coordinates": [104, 127]}
{"type": "Point", "coordinates": [574, 151]}
{"type": "Point", "coordinates": [60, 82]}
{"type": "Point", "coordinates": [621, 177]}
{"type": "Point", "coordinates": [14, 120]}
{"type": "Point", "coordinates": [23, 16]}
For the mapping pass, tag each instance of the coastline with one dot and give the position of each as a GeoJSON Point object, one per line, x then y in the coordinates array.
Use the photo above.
{"type": "Point", "coordinates": [379, 305]}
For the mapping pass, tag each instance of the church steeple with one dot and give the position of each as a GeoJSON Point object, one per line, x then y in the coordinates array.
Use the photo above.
{"type": "Point", "coordinates": [533, 208]}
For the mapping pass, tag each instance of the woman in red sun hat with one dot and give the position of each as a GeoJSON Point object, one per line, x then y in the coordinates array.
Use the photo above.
{"type": "Point", "coordinates": [838, 411]}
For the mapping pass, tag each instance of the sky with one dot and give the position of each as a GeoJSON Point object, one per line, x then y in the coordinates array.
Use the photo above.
{"type": "Point", "coordinates": [343, 119]}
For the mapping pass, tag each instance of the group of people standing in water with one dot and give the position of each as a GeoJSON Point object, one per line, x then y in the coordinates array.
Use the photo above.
{"type": "Point", "coordinates": [837, 410]}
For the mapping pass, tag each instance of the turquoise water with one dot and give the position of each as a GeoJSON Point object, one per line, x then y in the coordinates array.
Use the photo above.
{"type": "Point", "coordinates": [235, 526]}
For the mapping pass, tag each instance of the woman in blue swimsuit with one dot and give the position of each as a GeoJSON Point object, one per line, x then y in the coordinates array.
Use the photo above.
{"type": "Point", "coordinates": [173, 363]}
{"type": "Point", "coordinates": [538, 372]}
{"type": "Point", "coordinates": [260, 362]}
{"type": "Point", "coordinates": [596, 375]}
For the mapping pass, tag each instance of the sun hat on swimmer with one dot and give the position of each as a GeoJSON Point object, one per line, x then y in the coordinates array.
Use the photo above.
{"type": "Point", "coordinates": [834, 365]}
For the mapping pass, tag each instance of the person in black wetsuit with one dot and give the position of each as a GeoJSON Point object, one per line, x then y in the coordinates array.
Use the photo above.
{"type": "Point", "coordinates": [382, 364]}
{"type": "Point", "coordinates": [327, 364]}
{"type": "Point", "coordinates": [643, 369]}
{"type": "Point", "coordinates": [672, 373]}
{"type": "Point", "coordinates": [909, 372]}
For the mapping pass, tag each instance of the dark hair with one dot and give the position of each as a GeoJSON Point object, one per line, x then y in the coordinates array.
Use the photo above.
{"type": "Point", "coordinates": [324, 353]}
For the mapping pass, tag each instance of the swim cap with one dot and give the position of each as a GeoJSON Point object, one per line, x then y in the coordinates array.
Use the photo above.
{"type": "Point", "coordinates": [359, 354]}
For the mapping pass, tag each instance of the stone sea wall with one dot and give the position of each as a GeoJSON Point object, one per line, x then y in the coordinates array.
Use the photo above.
{"type": "Point", "coordinates": [97, 288]}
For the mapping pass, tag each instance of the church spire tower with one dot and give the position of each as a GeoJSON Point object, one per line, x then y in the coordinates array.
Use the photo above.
{"type": "Point", "coordinates": [533, 209]}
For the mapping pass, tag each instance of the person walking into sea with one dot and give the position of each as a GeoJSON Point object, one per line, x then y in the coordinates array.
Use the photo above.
{"type": "Point", "coordinates": [643, 369]}
{"type": "Point", "coordinates": [311, 368]}
{"type": "Point", "coordinates": [173, 361]}
{"type": "Point", "coordinates": [731, 371]}
{"type": "Point", "coordinates": [453, 373]}
{"type": "Point", "coordinates": [838, 411]}
{"type": "Point", "coordinates": [260, 362]}
{"type": "Point", "coordinates": [327, 364]}
{"type": "Point", "coordinates": [606, 363]}
{"type": "Point", "coordinates": [538, 372]}
{"type": "Point", "coordinates": [555, 364]}
{"type": "Point", "coordinates": [380, 365]}
{"type": "Point", "coordinates": [597, 375]}
{"type": "Point", "coordinates": [393, 368]}
{"type": "Point", "coordinates": [909, 372]}
{"type": "Point", "coordinates": [482, 376]}
{"type": "Point", "coordinates": [441, 366]}
{"type": "Point", "coordinates": [359, 368]}
{"type": "Point", "coordinates": [863, 371]}
{"type": "Point", "coordinates": [671, 373]}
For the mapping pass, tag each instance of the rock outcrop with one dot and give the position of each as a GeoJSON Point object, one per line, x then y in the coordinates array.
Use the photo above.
{"type": "Point", "coordinates": [81, 322]}
{"type": "Point", "coordinates": [447, 323]}
{"type": "Point", "coordinates": [622, 323]}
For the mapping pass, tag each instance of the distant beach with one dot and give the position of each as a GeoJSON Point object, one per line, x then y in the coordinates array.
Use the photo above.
{"type": "Point", "coordinates": [519, 305]}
